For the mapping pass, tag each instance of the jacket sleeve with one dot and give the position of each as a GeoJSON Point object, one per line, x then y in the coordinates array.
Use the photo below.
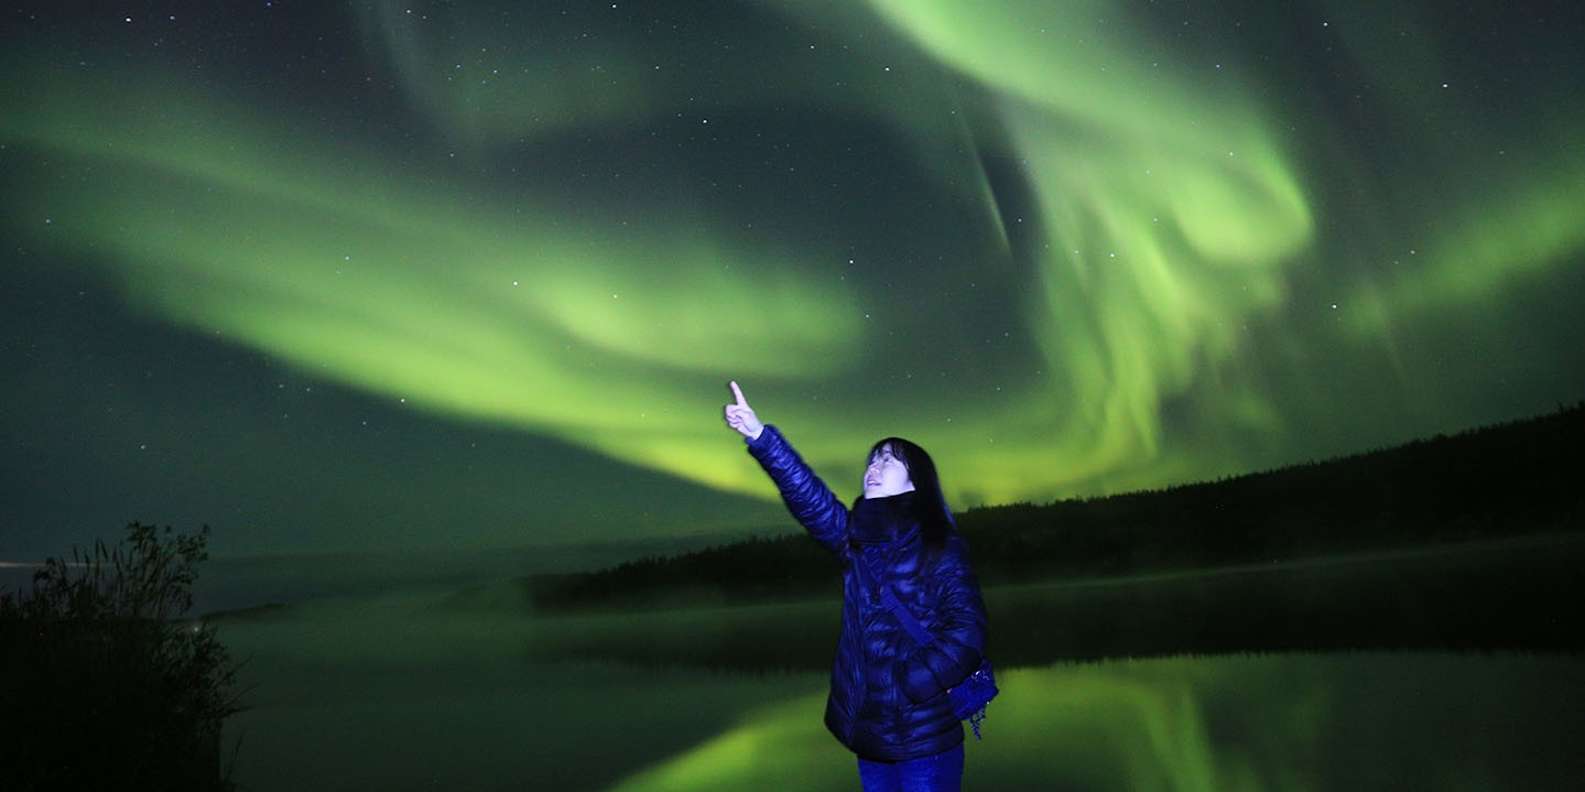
{"type": "Point", "coordinates": [809, 500]}
{"type": "Point", "coordinates": [958, 635]}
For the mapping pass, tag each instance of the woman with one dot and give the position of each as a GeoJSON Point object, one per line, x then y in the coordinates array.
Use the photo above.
{"type": "Point", "coordinates": [888, 701]}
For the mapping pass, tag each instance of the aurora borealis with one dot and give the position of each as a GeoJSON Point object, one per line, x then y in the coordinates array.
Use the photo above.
{"type": "Point", "coordinates": [427, 274]}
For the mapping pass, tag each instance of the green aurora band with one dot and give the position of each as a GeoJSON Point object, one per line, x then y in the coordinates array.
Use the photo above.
{"type": "Point", "coordinates": [1167, 223]}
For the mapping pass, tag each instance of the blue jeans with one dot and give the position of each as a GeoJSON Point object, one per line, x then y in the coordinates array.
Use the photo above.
{"type": "Point", "coordinates": [940, 773]}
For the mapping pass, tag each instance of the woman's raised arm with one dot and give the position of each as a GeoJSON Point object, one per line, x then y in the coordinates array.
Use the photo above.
{"type": "Point", "coordinates": [808, 498]}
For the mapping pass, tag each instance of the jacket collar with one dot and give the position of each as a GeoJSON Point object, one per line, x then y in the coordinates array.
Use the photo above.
{"type": "Point", "coordinates": [883, 520]}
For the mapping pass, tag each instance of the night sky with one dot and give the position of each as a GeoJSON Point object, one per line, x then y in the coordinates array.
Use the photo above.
{"type": "Point", "coordinates": [417, 275]}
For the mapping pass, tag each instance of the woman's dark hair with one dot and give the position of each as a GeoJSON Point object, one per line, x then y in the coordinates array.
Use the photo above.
{"type": "Point", "coordinates": [930, 504]}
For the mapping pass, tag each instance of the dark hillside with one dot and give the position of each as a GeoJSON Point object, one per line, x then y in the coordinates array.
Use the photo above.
{"type": "Point", "coordinates": [1514, 479]}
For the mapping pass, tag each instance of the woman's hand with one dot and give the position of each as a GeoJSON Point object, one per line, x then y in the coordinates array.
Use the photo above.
{"type": "Point", "coordinates": [741, 417]}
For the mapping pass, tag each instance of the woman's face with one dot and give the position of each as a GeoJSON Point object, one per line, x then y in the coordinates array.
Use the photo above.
{"type": "Point", "coordinates": [886, 475]}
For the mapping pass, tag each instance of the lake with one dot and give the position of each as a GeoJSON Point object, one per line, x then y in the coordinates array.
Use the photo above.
{"type": "Point", "coordinates": [408, 690]}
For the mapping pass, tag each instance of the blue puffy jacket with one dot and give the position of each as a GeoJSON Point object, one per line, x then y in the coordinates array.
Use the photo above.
{"type": "Point", "coordinates": [888, 698]}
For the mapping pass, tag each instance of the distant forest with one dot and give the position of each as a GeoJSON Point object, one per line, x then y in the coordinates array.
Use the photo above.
{"type": "Point", "coordinates": [1508, 480]}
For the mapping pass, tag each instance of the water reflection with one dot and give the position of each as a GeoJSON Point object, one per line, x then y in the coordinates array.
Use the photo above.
{"type": "Point", "coordinates": [400, 692]}
{"type": "Point", "coordinates": [1279, 722]}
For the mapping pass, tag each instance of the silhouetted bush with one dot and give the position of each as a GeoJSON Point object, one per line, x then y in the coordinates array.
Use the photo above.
{"type": "Point", "coordinates": [103, 687]}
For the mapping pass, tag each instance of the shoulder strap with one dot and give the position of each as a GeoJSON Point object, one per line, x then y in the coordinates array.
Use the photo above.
{"type": "Point", "coordinates": [905, 618]}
